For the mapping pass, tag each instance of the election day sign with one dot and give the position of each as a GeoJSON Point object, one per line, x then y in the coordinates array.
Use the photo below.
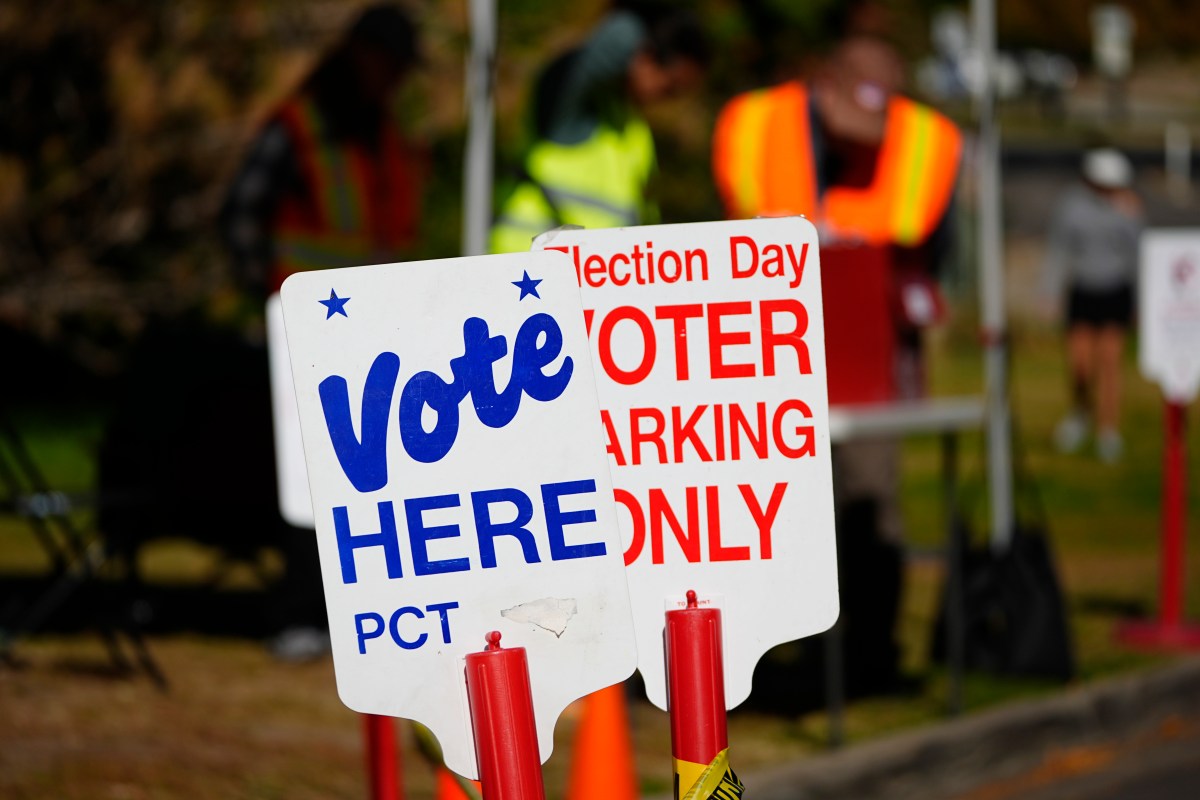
{"type": "Point", "coordinates": [710, 355]}
{"type": "Point", "coordinates": [459, 484]}
{"type": "Point", "coordinates": [1169, 311]}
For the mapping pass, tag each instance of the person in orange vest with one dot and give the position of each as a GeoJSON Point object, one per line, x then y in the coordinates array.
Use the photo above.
{"type": "Point", "coordinates": [330, 181]}
{"type": "Point", "coordinates": [875, 172]}
{"type": "Point", "coordinates": [863, 163]}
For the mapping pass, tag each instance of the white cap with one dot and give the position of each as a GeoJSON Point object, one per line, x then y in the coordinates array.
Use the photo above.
{"type": "Point", "coordinates": [1107, 168]}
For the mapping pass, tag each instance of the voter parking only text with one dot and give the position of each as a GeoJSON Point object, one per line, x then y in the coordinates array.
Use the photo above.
{"type": "Point", "coordinates": [663, 341]}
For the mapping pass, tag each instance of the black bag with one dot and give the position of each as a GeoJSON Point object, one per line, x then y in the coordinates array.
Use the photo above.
{"type": "Point", "coordinates": [1014, 615]}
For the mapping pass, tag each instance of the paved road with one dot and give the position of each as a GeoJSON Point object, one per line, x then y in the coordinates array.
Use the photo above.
{"type": "Point", "coordinates": [1164, 765]}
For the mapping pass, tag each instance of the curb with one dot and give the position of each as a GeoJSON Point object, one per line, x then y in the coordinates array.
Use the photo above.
{"type": "Point", "coordinates": [956, 756]}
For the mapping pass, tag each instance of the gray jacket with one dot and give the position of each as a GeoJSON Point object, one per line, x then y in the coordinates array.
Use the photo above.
{"type": "Point", "coordinates": [1091, 246]}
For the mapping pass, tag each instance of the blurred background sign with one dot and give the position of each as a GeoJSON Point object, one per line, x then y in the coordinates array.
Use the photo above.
{"type": "Point", "coordinates": [1170, 311]}
{"type": "Point", "coordinates": [291, 475]}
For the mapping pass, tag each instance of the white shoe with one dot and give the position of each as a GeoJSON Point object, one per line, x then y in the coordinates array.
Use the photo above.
{"type": "Point", "coordinates": [1070, 432]}
{"type": "Point", "coordinates": [1109, 446]}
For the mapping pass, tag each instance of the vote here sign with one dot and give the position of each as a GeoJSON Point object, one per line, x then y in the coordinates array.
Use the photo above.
{"type": "Point", "coordinates": [1169, 312]}
{"type": "Point", "coordinates": [710, 354]}
{"type": "Point", "coordinates": [459, 484]}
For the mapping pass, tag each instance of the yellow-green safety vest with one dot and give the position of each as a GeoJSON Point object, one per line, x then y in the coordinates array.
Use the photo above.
{"type": "Point", "coordinates": [598, 183]}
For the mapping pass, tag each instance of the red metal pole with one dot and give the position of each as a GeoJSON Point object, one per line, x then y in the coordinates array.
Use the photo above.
{"type": "Point", "coordinates": [1170, 631]}
{"type": "Point", "coordinates": [1174, 505]}
{"type": "Point", "coordinates": [695, 690]}
{"type": "Point", "coordinates": [383, 770]}
{"type": "Point", "coordinates": [506, 745]}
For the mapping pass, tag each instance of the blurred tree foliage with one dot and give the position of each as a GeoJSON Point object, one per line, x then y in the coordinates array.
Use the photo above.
{"type": "Point", "coordinates": [122, 121]}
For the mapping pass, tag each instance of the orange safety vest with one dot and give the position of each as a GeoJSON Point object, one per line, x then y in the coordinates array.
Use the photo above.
{"type": "Point", "coordinates": [359, 207]}
{"type": "Point", "coordinates": [763, 164]}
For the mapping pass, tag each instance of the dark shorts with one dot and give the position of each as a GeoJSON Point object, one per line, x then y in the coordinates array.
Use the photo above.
{"type": "Point", "coordinates": [1100, 308]}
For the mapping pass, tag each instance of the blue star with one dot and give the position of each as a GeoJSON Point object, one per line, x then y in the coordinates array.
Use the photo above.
{"type": "Point", "coordinates": [335, 304]}
{"type": "Point", "coordinates": [527, 285]}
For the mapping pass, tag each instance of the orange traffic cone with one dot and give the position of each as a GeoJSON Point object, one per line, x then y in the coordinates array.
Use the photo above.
{"type": "Point", "coordinates": [602, 762]}
{"type": "Point", "coordinates": [449, 788]}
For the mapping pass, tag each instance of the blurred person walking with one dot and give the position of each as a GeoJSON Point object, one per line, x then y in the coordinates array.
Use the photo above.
{"type": "Point", "coordinates": [330, 181]}
{"type": "Point", "coordinates": [1090, 268]}
{"type": "Point", "coordinates": [592, 159]}
{"type": "Point", "coordinates": [876, 173]}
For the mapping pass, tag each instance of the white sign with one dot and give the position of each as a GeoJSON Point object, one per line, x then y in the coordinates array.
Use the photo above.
{"type": "Point", "coordinates": [291, 476]}
{"type": "Point", "coordinates": [459, 483]}
{"type": "Point", "coordinates": [709, 345]}
{"type": "Point", "coordinates": [1169, 311]}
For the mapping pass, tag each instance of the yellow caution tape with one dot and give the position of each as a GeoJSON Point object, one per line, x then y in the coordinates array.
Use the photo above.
{"type": "Point", "coordinates": [703, 781]}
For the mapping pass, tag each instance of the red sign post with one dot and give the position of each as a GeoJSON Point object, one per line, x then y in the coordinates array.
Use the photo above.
{"type": "Point", "coordinates": [696, 697]}
{"type": "Point", "coordinates": [1170, 631]}
{"type": "Point", "coordinates": [383, 771]}
{"type": "Point", "coordinates": [506, 744]}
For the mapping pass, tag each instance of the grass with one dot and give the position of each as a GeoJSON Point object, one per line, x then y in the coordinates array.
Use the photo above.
{"type": "Point", "coordinates": [237, 724]}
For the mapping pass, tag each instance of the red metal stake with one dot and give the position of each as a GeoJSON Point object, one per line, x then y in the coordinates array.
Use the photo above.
{"type": "Point", "coordinates": [1174, 509]}
{"type": "Point", "coordinates": [1169, 631]}
{"type": "Point", "coordinates": [506, 745]}
{"type": "Point", "coordinates": [383, 770]}
{"type": "Point", "coordinates": [695, 690]}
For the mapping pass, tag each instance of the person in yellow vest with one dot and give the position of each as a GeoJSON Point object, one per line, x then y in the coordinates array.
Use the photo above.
{"type": "Point", "coordinates": [330, 181]}
{"type": "Point", "coordinates": [592, 159]}
{"type": "Point", "coordinates": [875, 172]}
